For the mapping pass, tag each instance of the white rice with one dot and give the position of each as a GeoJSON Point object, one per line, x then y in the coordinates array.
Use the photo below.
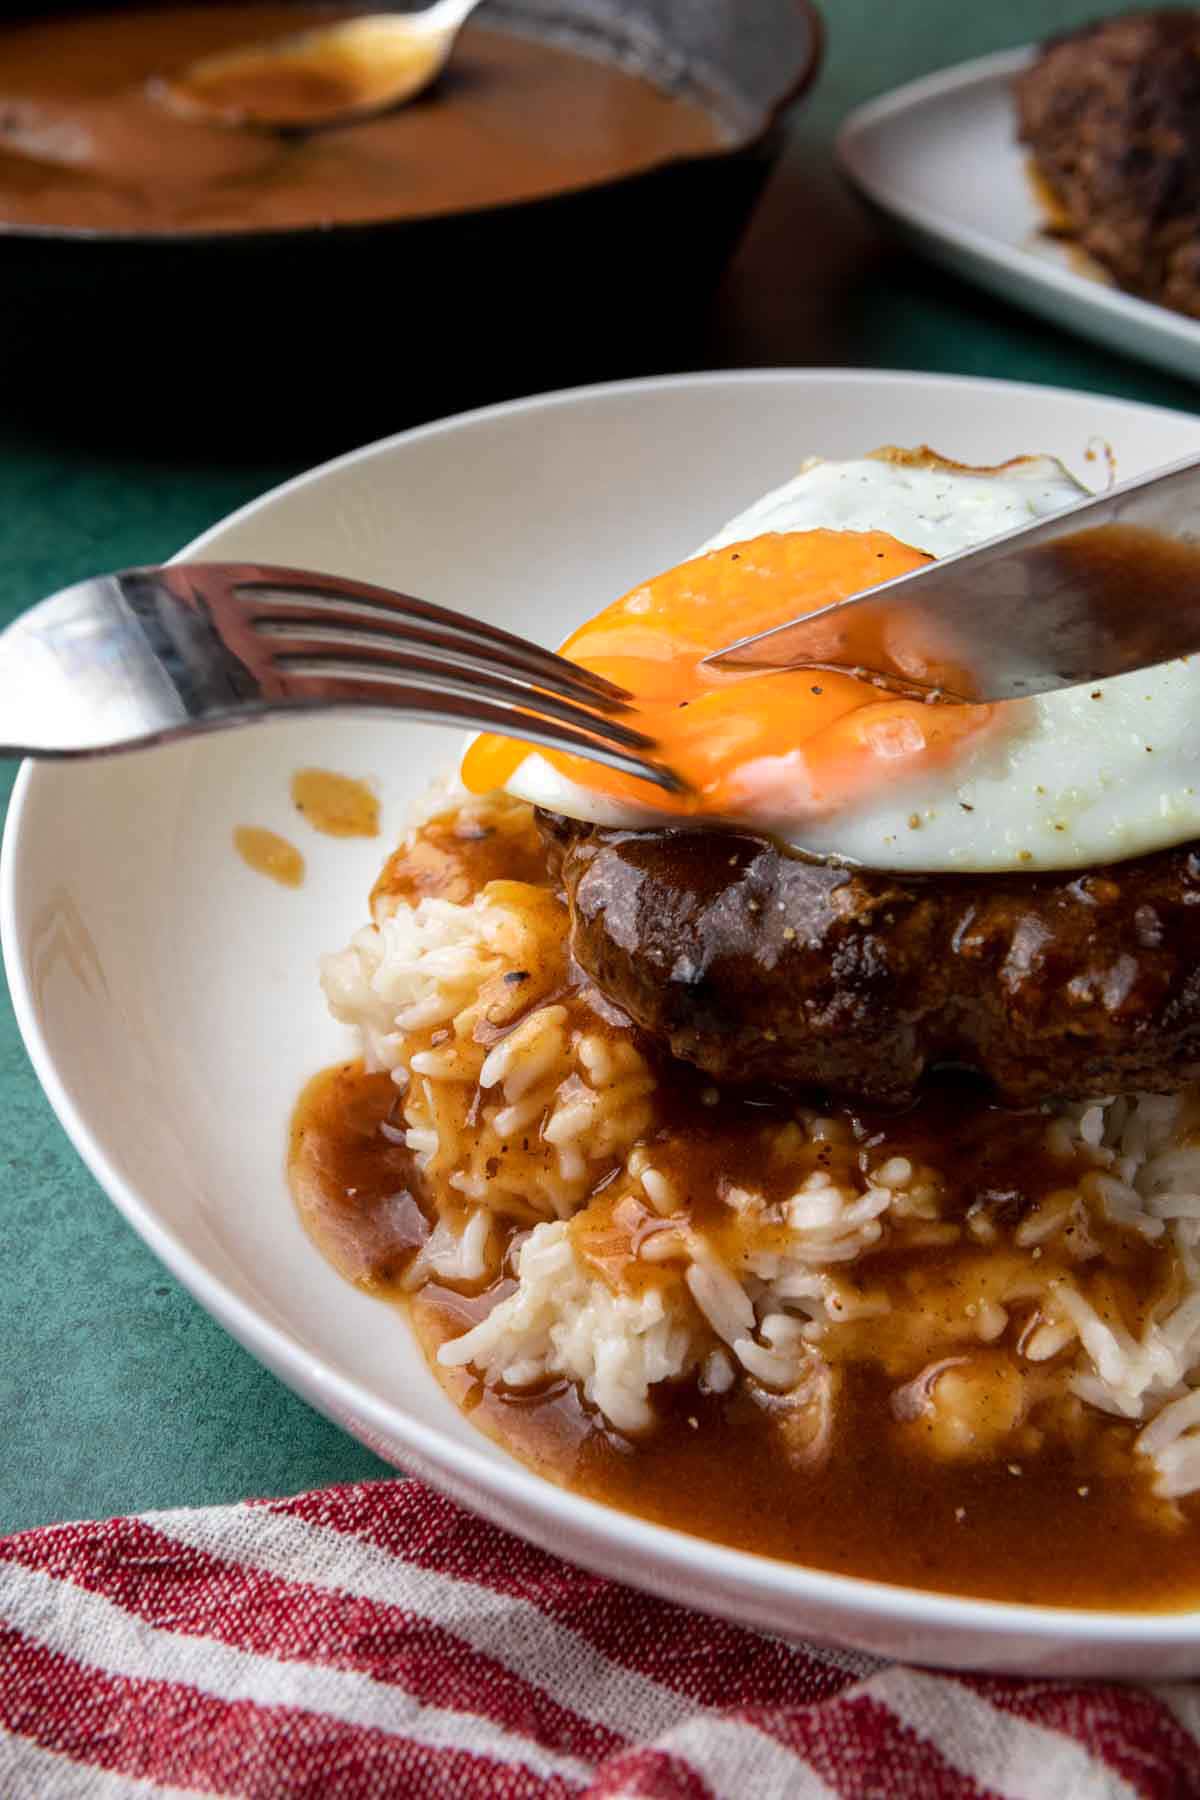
{"type": "Point", "coordinates": [439, 967]}
{"type": "Point", "coordinates": [563, 1322]}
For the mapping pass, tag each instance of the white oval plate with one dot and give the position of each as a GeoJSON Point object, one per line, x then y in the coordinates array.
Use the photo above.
{"type": "Point", "coordinates": [168, 996]}
{"type": "Point", "coordinates": [940, 157]}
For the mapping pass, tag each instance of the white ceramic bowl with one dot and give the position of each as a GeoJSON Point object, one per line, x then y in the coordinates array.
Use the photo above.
{"type": "Point", "coordinates": [168, 996]}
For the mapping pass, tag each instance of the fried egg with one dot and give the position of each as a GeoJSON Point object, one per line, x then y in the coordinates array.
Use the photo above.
{"type": "Point", "coordinates": [827, 763]}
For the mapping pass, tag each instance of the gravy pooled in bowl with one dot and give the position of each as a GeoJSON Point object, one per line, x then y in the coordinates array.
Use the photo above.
{"type": "Point", "coordinates": [902, 1403]}
{"type": "Point", "coordinates": [86, 146]}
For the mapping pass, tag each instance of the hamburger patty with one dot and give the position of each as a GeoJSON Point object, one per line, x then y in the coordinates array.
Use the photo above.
{"type": "Point", "coordinates": [1111, 113]}
{"type": "Point", "coordinates": [763, 967]}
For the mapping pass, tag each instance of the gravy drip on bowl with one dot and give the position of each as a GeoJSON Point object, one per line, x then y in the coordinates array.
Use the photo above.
{"type": "Point", "coordinates": [337, 805]}
{"type": "Point", "coordinates": [269, 854]}
{"type": "Point", "coordinates": [913, 1419]}
{"type": "Point", "coordinates": [86, 146]}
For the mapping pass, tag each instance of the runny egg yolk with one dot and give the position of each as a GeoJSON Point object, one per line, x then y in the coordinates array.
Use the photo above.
{"type": "Point", "coordinates": [796, 742]}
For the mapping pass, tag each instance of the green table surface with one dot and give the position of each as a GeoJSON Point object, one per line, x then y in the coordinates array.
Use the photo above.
{"type": "Point", "coordinates": [116, 1391]}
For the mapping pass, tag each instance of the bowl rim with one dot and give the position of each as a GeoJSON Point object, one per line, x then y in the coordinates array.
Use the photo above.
{"type": "Point", "coordinates": [352, 230]}
{"type": "Point", "coordinates": [665, 1556]}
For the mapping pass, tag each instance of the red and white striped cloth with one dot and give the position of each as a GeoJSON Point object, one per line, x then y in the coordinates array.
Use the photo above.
{"type": "Point", "coordinates": [376, 1640]}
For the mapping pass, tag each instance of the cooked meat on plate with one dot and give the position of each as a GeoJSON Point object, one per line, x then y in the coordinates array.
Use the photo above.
{"type": "Point", "coordinates": [1111, 115]}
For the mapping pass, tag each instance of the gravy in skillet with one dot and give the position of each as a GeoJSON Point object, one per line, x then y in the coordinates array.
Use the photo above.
{"type": "Point", "coordinates": [86, 146]}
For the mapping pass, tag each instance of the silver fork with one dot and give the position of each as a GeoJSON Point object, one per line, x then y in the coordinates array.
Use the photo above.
{"type": "Point", "coordinates": [145, 656]}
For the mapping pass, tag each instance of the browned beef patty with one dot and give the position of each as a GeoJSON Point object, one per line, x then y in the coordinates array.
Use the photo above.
{"type": "Point", "coordinates": [1111, 114]}
{"type": "Point", "coordinates": [762, 967]}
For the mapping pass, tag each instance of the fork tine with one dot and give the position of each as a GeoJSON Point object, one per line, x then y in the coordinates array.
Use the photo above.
{"type": "Point", "coordinates": [147, 655]}
{"type": "Point", "coordinates": [265, 590]}
{"type": "Point", "coordinates": [446, 677]}
{"type": "Point", "coordinates": [311, 687]}
{"type": "Point", "coordinates": [298, 627]}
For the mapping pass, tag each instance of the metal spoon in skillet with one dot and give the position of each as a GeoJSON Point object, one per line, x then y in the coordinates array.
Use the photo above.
{"type": "Point", "coordinates": [314, 80]}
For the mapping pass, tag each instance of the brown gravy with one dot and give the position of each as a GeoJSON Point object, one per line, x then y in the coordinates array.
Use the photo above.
{"type": "Point", "coordinates": [84, 145]}
{"type": "Point", "coordinates": [337, 805]}
{"type": "Point", "coordinates": [269, 854]}
{"type": "Point", "coordinates": [353, 1188]}
{"type": "Point", "coordinates": [1065, 1527]}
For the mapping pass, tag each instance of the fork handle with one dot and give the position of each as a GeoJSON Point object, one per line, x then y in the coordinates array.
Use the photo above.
{"type": "Point", "coordinates": [81, 672]}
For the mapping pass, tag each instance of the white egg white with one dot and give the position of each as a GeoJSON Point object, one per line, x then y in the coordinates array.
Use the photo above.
{"type": "Point", "coordinates": [1066, 780]}
{"type": "Point", "coordinates": [920, 498]}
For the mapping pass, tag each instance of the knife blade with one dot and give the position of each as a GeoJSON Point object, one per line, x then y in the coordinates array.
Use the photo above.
{"type": "Point", "coordinates": [1097, 590]}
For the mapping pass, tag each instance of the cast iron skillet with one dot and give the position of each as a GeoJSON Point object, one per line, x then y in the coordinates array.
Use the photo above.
{"type": "Point", "coordinates": [316, 337]}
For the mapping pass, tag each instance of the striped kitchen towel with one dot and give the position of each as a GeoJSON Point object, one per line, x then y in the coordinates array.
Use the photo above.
{"type": "Point", "coordinates": [376, 1640]}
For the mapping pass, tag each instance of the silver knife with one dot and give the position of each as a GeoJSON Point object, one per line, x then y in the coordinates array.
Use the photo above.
{"type": "Point", "coordinates": [1100, 589]}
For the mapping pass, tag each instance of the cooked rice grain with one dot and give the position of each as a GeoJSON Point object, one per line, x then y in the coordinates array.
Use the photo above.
{"type": "Point", "coordinates": [563, 1321]}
